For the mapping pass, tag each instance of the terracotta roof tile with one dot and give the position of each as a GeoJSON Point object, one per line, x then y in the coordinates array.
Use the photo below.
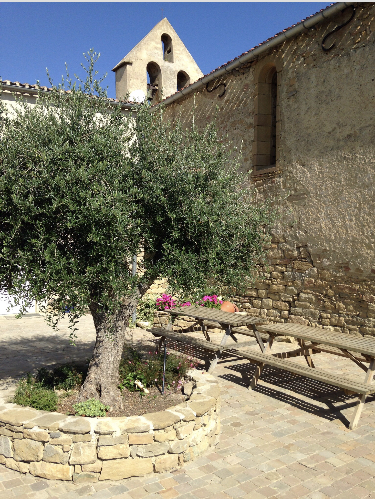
{"type": "Point", "coordinates": [17, 84]}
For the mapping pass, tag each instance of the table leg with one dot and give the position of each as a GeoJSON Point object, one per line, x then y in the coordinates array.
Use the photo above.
{"type": "Point", "coordinates": [228, 332]}
{"type": "Point", "coordinates": [259, 341]}
{"type": "Point", "coordinates": [307, 356]}
{"type": "Point", "coordinates": [358, 410]}
{"type": "Point", "coordinates": [204, 331]}
{"type": "Point", "coordinates": [259, 367]}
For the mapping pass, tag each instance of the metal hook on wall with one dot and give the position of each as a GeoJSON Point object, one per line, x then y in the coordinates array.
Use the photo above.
{"type": "Point", "coordinates": [216, 87]}
{"type": "Point", "coordinates": [326, 49]}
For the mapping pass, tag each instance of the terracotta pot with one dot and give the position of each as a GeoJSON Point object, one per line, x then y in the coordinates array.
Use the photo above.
{"type": "Point", "coordinates": [227, 306]}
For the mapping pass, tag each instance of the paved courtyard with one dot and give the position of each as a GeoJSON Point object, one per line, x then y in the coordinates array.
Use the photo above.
{"type": "Point", "coordinates": [287, 439]}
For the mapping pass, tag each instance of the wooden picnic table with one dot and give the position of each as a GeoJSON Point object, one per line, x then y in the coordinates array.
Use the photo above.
{"type": "Point", "coordinates": [211, 316]}
{"type": "Point", "coordinates": [312, 340]}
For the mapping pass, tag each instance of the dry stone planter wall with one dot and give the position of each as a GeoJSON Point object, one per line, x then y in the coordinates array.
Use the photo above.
{"type": "Point", "coordinates": [59, 447]}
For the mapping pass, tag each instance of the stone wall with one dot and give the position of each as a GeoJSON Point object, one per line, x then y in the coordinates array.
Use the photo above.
{"type": "Point", "coordinates": [157, 288]}
{"type": "Point", "coordinates": [291, 289]}
{"type": "Point", "coordinates": [59, 447]}
{"type": "Point", "coordinates": [322, 260]}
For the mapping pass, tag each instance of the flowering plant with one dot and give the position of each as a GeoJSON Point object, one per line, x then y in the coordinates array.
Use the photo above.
{"type": "Point", "coordinates": [166, 302]}
{"type": "Point", "coordinates": [210, 301]}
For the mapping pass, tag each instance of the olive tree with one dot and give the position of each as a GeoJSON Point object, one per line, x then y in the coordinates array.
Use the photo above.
{"type": "Point", "coordinates": [84, 187]}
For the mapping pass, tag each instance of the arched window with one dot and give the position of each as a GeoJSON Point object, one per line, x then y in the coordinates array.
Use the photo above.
{"type": "Point", "coordinates": [153, 82]}
{"type": "Point", "coordinates": [183, 80]}
{"type": "Point", "coordinates": [265, 119]}
{"type": "Point", "coordinates": [166, 42]}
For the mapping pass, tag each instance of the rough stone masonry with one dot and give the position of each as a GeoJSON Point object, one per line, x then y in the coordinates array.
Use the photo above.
{"type": "Point", "coordinates": [60, 447]}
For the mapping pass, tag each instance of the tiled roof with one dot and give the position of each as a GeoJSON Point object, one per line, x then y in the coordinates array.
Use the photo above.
{"type": "Point", "coordinates": [19, 85]}
{"type": "Point", "coordinates": [26, 86]}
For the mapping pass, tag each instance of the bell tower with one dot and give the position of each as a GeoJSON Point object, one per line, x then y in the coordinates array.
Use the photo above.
{"type": "Point", "coordinates": [157, 67]}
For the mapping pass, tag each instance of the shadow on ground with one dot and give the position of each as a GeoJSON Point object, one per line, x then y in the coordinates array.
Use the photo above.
{"type": "Point", "coordinates": [24, 354]}
{"type": "Point", "coordinates": [330, 402]}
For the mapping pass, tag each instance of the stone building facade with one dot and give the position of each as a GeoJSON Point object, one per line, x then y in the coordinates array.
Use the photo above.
{"type": "Point", "coordinates": [301, 107]}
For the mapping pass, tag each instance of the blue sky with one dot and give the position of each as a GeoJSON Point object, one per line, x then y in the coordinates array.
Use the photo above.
{"type": "Point", "coordinates": [39, 35]}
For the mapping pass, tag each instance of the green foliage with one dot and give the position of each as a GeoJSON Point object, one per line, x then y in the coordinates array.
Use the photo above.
{"type": "Point", "coordinates": [129, 378]}
{"type": "Point", "coordinates": [31, 393]}
{"type": "Point", "coordinates": [146, 309]}
{"type": "Point", "coordinates": [65, 377]}
{"type": "Point", "coordinates": [38, 391]}
{"type": "Point", "coordinates": [148, 369]}
{"type": "Point", "coordinates": [201, 224]}
{"type": "Point", "coordinates": [84, 187]}
{"type": "Point", "coordinates": [68, 228]}
{"type": "Point", "coordinates": [91, 408]}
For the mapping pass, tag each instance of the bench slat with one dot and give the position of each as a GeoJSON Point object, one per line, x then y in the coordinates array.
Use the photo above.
{"type": "Point", "coordinates": [184, 338]}
{"type": "Point", "coordinates": [313, 373]}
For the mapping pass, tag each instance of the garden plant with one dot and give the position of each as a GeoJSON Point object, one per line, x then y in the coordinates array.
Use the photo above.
{"type": "Point", "coordinates": [49, 387]}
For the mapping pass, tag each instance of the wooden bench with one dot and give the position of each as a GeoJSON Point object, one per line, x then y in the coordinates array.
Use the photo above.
{"type": "Point", "coordinates": [302, 370]}
{"type": "Point", "coordinates": [314, 340]}
{"type": "Point", "coordinates": [214, 349]}
{"type": "Point", "coordinates": [318, 341]}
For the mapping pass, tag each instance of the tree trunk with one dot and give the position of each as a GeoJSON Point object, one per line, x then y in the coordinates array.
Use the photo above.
{"type": "Point", "coordinates": [103, 375]}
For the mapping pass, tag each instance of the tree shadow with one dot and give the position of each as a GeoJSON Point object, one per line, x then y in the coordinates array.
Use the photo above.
{"type": "Point", "coordinates": [24, 354]}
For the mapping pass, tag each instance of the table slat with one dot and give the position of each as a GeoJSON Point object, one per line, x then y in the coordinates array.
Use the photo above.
{"type": "Point", "coordinates": [365, 346]}
{"type": "Point", "coordinates": [214, 314]}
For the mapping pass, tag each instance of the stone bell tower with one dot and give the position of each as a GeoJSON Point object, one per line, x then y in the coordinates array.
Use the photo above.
{"type": "Point", "coordinates": [157, 67]}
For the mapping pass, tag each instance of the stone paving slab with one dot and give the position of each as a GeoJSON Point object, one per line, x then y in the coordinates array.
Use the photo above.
{"type": "Point", "coordinates": [287, 439]}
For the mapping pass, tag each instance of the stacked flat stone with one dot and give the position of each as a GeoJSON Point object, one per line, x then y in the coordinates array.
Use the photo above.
{"type": "Point", "coordinates": [59, 447]}
{"type": "Point", "coordinates": [290, 289]}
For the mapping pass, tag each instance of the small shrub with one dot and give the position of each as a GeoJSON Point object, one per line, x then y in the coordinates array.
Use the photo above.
{"type": "Point", "coordinates": [91, 408]}
{"type": "Point", "coordinates": [148, 369]}
{"type": "Point", "coordinates": [65, 377]}
{"type": "Point", "coordinates": [31, 393]}
{"type": "Point", "coordinates": [129, 379]}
